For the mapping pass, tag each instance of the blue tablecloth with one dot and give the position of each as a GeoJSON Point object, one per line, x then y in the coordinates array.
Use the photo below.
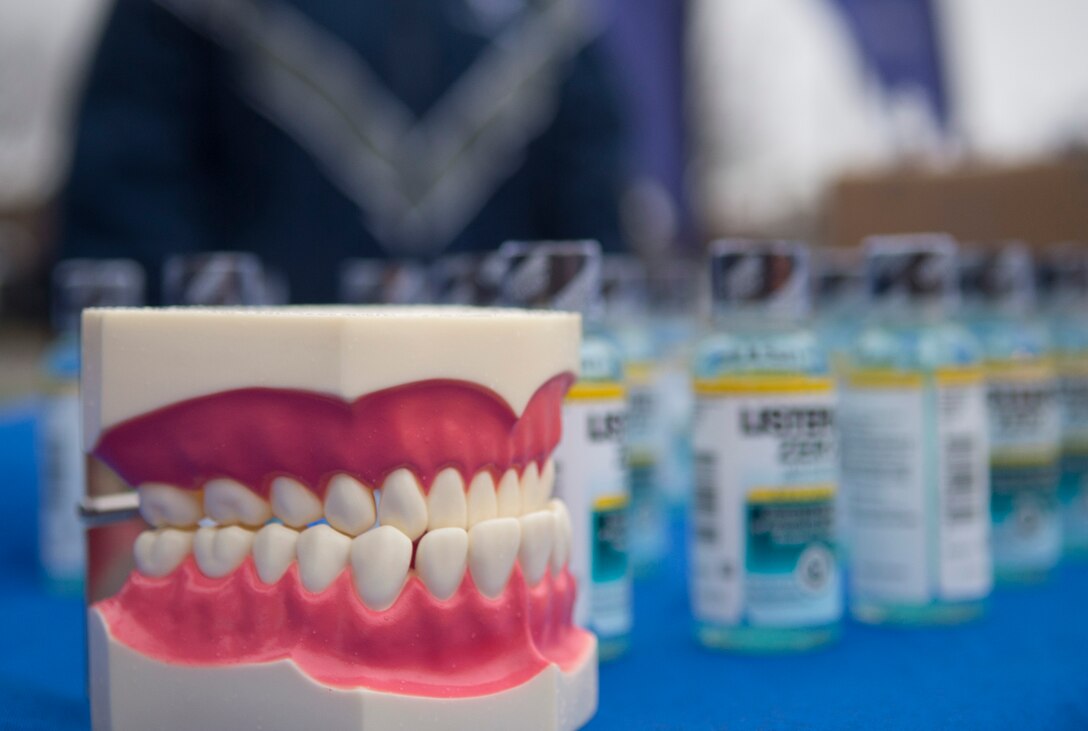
{"type": "Point", "coordinates": [1025, 666]}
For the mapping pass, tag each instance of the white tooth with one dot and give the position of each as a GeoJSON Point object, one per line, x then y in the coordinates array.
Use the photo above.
{"type": "Point", "coordinates": [166, 505]}
{"type": "Point", "coordinates": [219, 551]}
{"type": "Point", "coordinates": [322, 555]}
{"type": "Point", "coordinates": [379, 562]}
{"type": "Point", "coordinates": [446, 504]}
{"type": "Point", "coordinates": [402, 504]}
{"type": "Point", "coordinates": [158, 552]}
{"type": "Point", "coordinates": [537, 538]}
{"type": "Point", "coordinates": [561, 544]}
{"type": "Point", "coordinates": [508, 495]}
{"type": "Point", "coordinates": [482, 504]}
{"type": "Point", "coordinates": [441, 557]}
{"type": "Point", "coordinates": [228, 502]}
{"type": "Point", "coordinates": [531, 489]}
{"type": "Point", "coordinates": [293, 503]}
{"type": "Point", "coordinates": [349, 505]}
{"type": "Point", "coordinates": [492, 550]}
{"type": "Point", "coordinates": [547, 481]}
{"type": "Point", "coordinates": [273, 551]}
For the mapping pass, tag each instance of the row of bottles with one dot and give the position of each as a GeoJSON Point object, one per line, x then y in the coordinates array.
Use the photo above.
{"type": "Point", "coordinates": [930, 423]}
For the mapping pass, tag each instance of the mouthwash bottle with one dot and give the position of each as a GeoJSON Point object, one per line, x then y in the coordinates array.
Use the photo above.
{"type": "Point", "coordinates": [1022, 407]}
{"type": "Point", "coordinates": [1066, 299]}
{"type": "Point", "coordinates": [77, 283]}
{"type": "Point", "coordinates": [765, 576]}
{"type": "Point", "coordinates": [840, 304]}
{"type": "Point", "coordinates": [914, 436]}
{"type": "Point", "coordinates": [590, 461]}
{"type": "Point", "coordinates": [624, 290]}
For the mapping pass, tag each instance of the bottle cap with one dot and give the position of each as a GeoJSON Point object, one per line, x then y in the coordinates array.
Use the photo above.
{"type": "Point", "coordinates": [466, 279]}
{"type": "Point", "coordinates": [80, 283]}
{"type": "Point", "coordinates": [383, 282]}
{"type": "Point", "coordinates": [912, 269]}
{"type": "Point", "coordinates": [1063, 273]}
{"type": "Point", "coordinates": [839, 278]}
{"type": "Point", "coordinates": [223, 278]}
{"type": "Point", "coordinates": [1000, 276]}
{"type": "Point", "coordinates": [557, 275]}
{"type": "Point", "coordinates": [770, 277]}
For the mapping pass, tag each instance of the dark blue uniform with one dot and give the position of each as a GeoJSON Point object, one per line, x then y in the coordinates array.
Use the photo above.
{"type": "Point", "coordinates": [309, 131]}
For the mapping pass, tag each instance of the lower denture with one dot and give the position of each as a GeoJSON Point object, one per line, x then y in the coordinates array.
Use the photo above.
{"type": "Point", "coordinates": [467, 645]}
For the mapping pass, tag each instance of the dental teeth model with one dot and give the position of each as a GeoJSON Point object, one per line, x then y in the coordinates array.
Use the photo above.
{"type": "Point", "coordinates": [351, 521]}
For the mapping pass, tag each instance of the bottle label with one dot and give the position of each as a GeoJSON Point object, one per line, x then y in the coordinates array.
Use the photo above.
{"type": "Point", "coordinates": [61, 540]}
{"type": "Point", "coordinates": [644, 445]}
{"type": "Point", "coordinates": [763, 516]}
{"type": "Point", "coordinates": [1025, 444]}
{"type": "Point", "coordinates": [1073, 403]}
{"type": "Point", "coordinates": [915, 467]}
{"type": "Point", "coordinates": [591, 479]}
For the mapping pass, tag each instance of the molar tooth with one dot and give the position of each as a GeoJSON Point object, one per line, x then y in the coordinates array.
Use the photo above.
{"type": "Point", "coordinates": [537, 538]}
{"type": "Point", "coordinates": [165, 505]}
{"type": "Point", "coordinates": [228, 502]}
{"type": "Point", "coordinates": [273, 551]}
{"type": "Point", "coordinates": [379, 562]}
{"type": "Point", "coordinates": [322, 555]}
{"type": "Point", "coordinates": [402, 504]}
{"type": "Point", "coordinates": [446, 504]}
{"type": "Point", "coordinates": [293, 503]}
{"type": "Point", "coordinates": [563, 533]}
{"type": "Point", "coordinates": [349, 505]}
{"type": "Point", "coordinates": [219, 551]}
{"type": "Point", "coordinates": [441, 557]}
{"type": "Point", "coordinates": [508, 495]}
{"type": "Point", "coordinates": [482, 504]}
{"type": "Point", "coordinates": [492, 549]}
{"type": "Point", "coordinates": [158, 552]}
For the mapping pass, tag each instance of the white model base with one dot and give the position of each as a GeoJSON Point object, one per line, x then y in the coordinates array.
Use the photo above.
{"type": "Point", "coordinates": [131, 692]}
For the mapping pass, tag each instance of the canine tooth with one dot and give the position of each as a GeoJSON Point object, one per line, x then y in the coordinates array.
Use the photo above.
{"type": "Point", "coordinates": [322, 555]}
{"type": "Point", "coordinates": [446, 504]}
{"type": "Point", "coordinates": [379, 563]}
{"type": "Point", "coordinates": [532, 497]}
{"type": "Point", "coordinates": [547, 480]}
{"type": "Point", "coordinates": [158, 552]}
{"type": "Point", "coordinates": [273, 551]}
{"type": "Point", "coordinates": [563, 534]}
{"type": "Point", "coordinates": [537, 538]}
{"type": "Point", "coordinates": [492, 549]}
{"type": "Point", "coordinates": [219, 551]}
{"type": "Point", "coordinates": [402, 505]}
{"type": "Point", "coordinates": [508, 495]}
{"type": "Point", "coordinates": [349, 505]}
{"type": "Point", "coordinates": [293, 503]}
{"type": "Point", "coordinates": [482, 504]}
{"type": "Point", "coordinates": [228, 502]}
{"type": "Point", "coordinates": [441, 557]}
{"type": "Point", "coordinates": [165, 505]}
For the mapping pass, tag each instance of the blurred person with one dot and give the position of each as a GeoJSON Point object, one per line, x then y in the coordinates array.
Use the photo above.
{"type": "Point", "coordinates": [311, 132]}
{"type": "Point", "coordinates": [788, 96]}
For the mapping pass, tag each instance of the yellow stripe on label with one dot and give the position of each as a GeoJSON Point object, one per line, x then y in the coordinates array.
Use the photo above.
{"type": "Point", "coordinates": [640, 373]}
{"type": "Point", "coordinates": [759, 384]}
{"type": "Point", "coordinates": [796, 494]}
{"type": "Point", "coordinates": [1072, 366]}
{"type": "Point", "coordinates": [960, 376]}
{"type": "Point", "coordinates": [596, 391]}
{"type": "Point", "coordinates": [884, 378]}
{"type": "Point", "coordinates": [889, 378]}
{"type": "Point", "coordinates": [610, 502]}
{"type": "Point", "coordinates": [1024, 458]}
{"type": "Point", "coordinates": [1036, 369]}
